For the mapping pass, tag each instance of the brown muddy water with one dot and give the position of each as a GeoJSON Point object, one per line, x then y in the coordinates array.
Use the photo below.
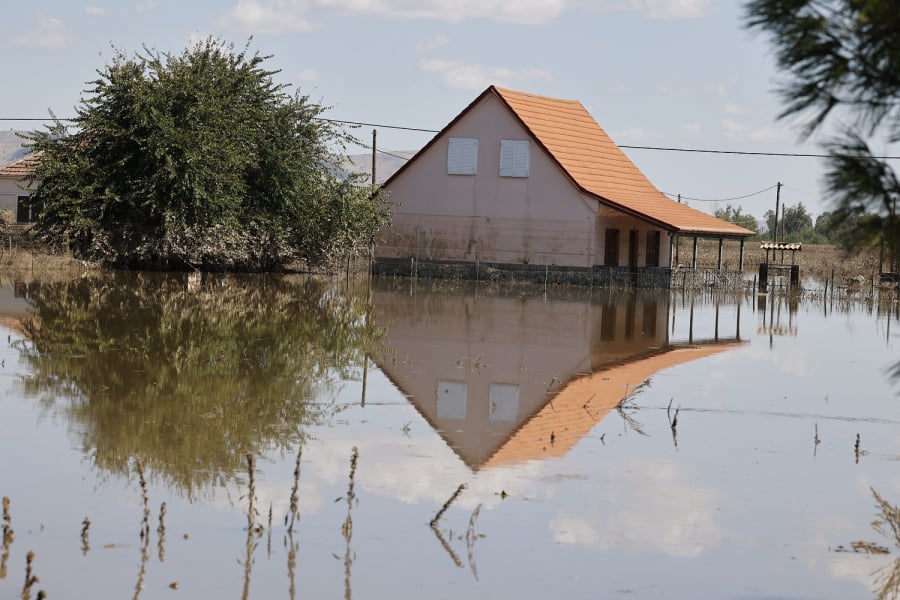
{"type": "Point", "coordinates": [168, 436]}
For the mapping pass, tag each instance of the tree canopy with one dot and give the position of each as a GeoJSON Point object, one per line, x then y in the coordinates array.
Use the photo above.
{"type": "Point", "coordinates": [198, 158]}
{"type": "Point", "coordinates": [738, 217]}
{"type": "Point", "coordinates": [843, 63]}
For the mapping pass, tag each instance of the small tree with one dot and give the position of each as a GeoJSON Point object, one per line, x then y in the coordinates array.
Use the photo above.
{"type": "Point", "coordinates": [797, 223]}
{"type": "Point", "coordinates": [198, 158]}
{"type": "Point", "coordinates": [736, 216]}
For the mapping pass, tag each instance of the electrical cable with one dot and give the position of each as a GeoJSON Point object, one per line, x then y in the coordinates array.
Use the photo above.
{"type": "Point", "coordinates": [771, 187]}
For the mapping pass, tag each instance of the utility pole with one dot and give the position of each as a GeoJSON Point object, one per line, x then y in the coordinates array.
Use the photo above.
{"type": "Point", "coordinates": [374, 136]}
{"type": "Point", "coordinates": [777, 208]}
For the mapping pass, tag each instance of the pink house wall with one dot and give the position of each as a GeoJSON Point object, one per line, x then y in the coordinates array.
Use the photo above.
{"type": "Point", "coordinates": [539, 219]}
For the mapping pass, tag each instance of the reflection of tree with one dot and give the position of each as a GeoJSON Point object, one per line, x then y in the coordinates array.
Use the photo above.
{"type": "Point", "coordinates": [190, 377]}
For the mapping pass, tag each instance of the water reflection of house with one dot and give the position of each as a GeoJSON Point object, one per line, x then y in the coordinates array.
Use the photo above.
{"type": "Point", "coordinates": [507, 378]}
{"type": "Point", "coordinates": [14, 305]}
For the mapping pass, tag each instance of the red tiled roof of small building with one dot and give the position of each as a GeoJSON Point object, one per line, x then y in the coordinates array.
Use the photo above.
{"type": "Point", "coordinates": [22, 167]}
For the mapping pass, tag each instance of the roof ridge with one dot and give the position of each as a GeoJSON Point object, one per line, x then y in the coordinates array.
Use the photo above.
{"type": "Point", "coordinates": [504, 90]}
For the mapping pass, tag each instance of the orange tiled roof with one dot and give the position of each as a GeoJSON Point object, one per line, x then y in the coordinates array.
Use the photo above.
{"type": "Point", "coordinates": [21, 167]}
{"type": "Point", "coordinates": [580, 405]}
{"type": "Point", "coordinates": [599, 167]}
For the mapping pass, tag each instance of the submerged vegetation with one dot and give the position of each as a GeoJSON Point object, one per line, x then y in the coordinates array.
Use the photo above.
{"type": "Point", "coordinates": [187, 375]}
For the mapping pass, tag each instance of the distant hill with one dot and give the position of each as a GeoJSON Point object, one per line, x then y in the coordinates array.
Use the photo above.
{"type": "Point", "coordinates": [386, 165]}
{"type": "Point", "coordinates": [11, 148]}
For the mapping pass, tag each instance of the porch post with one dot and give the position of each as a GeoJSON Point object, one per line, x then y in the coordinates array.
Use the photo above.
{"type": "Point", "coordinates": [672, 250]}
{"type": "Point", "coordinates": [694, 259]}
{"type": "Point", "coordinates": [741, 259]}
{"type": "Point", "coordinates": [721, 242]}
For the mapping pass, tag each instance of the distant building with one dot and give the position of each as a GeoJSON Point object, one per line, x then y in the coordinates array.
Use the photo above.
{"type": "Point", "coordinates": [14, 195]}
{"type": "Point", "coordinates": [521, 179]}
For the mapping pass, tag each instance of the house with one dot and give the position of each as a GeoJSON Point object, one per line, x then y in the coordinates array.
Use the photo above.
{"type": "Point", "coordinates": [504, 379]}
{"type": "Point", "coordinates": [522, 179]}
{"type": "Point", "coordinates": [14, 195]}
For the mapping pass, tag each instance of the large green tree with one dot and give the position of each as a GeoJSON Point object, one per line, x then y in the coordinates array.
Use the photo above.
{"type": "Point", "coordinates": [842, 58]}
{"type": "Point", "coordinates": [199, 158]}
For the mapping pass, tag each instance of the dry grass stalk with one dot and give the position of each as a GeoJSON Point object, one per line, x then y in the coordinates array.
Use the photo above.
{"type": "Point", "coordinates": [145, 522]}
{"type": "Point", "coordinates": [471, 538]}
{"type": "Point", "coordinates": [252, 513]}
{"type": "Point", "coordinates": [347, 528]}
{"type": "Point", "coordinates": [889, 516]}
{"type": "Point", "coordinates": [447, 504]}
{"type": "Point", "coordinates": [8, 537]}
{"type": "Point", "coordinates": [816, 440]}
{"type": "Point", "coordinates": [85, 542]}
{"type": "Point", "coordinates": [252, 526]}
{"type": "Point", "coordinates": [295, 492]}
{"type": "Point", "coordinates": [30, 577]}
{"type": "Point", "coordinates": [161, 531]}
{"type": "Point", "coordinates": [887, 579]}
{"type": "Point", "coordinates": [447, 547]}
{"type": "Point", "coordinates": [8, 534]}
{"type": "Point", "coordinates": [673, 424]}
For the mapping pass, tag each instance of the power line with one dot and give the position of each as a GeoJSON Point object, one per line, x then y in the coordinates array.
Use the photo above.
{"type": "Point", "coordinates": [380, 151]}
{"type": "Point", "coordinates": [377, 125]}
{"type": "Point", "coordinates": [771, 187]}
{"type": "Point", "coordinates": [627, 147]}
{"type": "Point", "coordinates": [747, 153]}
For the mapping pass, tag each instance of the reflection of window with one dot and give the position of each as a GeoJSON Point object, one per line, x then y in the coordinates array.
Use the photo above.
{"type": "Point", "coordinates": [451, 400]}
{"type": "Point", "coordinates": [26, 210]}
{"type": "Point", "coordinates": [504, 402]}
{"type": "Point", "coordinates": [462, 156]}
{"type": "Point", "coordinates": [513, 158]}
{"type": "Point", "coordinates": [652, 248]}
{"type": "Point", "coordinates": [629, 320]}
{"type": "Point", "coordinates": [650, 316]}
{"type": "Point", "coordinates": [611, 257]}
{"type": "Point", "coordinates": [608, 323]}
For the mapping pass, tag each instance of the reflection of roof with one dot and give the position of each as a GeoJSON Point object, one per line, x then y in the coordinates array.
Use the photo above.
{"type": "Point", "coordinates": [13, 324]}
{"type": "Point", "coordinates": [21, 167]}
{"type": "Point", "coordinates": [585, 401]}
{"type": "Point", "coordinates": [599, 167]}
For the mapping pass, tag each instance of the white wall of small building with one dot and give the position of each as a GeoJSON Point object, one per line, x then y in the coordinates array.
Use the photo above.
{"type": "Point", "coordinates": [9, 193]}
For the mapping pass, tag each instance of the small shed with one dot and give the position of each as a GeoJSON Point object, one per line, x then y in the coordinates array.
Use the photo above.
{"type": "Point", "coordinates": [14, 195]}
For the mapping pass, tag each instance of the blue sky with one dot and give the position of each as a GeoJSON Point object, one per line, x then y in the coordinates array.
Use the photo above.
{"type": "Point", "coordinates": [670, 73]}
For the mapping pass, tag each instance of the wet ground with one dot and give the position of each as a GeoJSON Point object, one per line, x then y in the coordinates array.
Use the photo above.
{"type": "Point", "coordinates": [259, 437]}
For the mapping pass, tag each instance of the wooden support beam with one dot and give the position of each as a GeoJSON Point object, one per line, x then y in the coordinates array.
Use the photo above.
{"type": "Point", "coordinates": [721, 242]}
{"type": "Point", "coordinates": [741, 259]}
{"type": "Point", "coordinates": [694, 259]}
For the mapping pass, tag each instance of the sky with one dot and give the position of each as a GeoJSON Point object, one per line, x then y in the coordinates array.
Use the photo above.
{"type": "Point", "coordinates": [661, 73]}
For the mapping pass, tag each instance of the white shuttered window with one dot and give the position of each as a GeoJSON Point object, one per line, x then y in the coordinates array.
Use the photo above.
{"type": "Point", "coordinates": [513, 158]}
{"type": "Point", "coordinates": [462, 156]}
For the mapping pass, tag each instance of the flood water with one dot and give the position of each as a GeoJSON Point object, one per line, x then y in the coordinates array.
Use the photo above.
{"type": "Point", "coordinates": [224, 436]}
